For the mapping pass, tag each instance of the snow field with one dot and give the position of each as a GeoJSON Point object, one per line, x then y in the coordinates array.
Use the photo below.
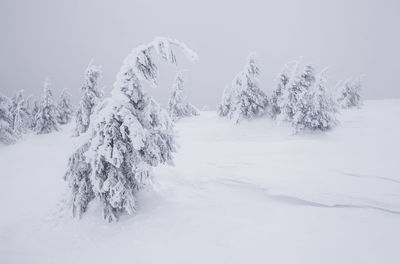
{"type": "Point", "coordinates": [247, 193]}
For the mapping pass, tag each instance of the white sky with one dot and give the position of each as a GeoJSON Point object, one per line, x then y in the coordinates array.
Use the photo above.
{"type": "Point", "coordinates": [58, 39]}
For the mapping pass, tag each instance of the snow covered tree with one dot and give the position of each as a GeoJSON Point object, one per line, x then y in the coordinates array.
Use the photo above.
{"type": "Point", "coordinates": [64, 108]}
{"type": "Point", "coordinates": [349, 93]}
{"type": "Point", "coordinates": [21, 117]}
{"type": "Point", "coordinates": [247, 99]}
{"type": "Point", "coordinates": [91, 96]}
{"type": "Point", "coordinates": [34, 109]}
{"type": "Point", "coordinates": [298, 97]}
{"type": "Point", "coordinates": [130, 134]}
{"type": "Point", "coordinates": [277, 100]}
{"type": "Point", "coordinates": [46, 117]}
{"type": "Point", "coordinates": [77, 177]}
{"type": "Point", "coordinates": [30, 106]}
{"type": "Point", "coordinates": [325, 107]}
{"type": "Point", "coordinates": [7, 134]}
{"type": "Point", "coordinates": [224, 107]}
{"type": "Point", "coordinates": [316, 109]}
{"type": "Point", "coordinates": [178, 106]}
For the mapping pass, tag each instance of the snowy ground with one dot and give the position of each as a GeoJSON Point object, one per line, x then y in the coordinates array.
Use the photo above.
{"type": "Point", "coordinates": [251, 193]}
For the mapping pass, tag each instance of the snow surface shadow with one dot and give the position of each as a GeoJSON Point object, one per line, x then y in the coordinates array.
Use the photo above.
{"type": "Point", "coordinates": [297, 201]}
{"type": "Point", "coordinates": [288, 199]}
{"type": "Point", "coordinates": [369, 176]}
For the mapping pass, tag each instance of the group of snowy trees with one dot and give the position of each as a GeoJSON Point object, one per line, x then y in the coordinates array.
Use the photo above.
{"type": "Point", "coordinates": [301, 97]}
{"type": "Point", "coordinates": [19, 115]}
{"type": "Point", "coordinates": [129, 133]}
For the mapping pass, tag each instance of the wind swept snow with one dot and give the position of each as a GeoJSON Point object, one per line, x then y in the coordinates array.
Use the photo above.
{"type": "Point", "coordinates": [247, 193]}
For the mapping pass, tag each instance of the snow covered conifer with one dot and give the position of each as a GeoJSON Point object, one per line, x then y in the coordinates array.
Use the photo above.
{"type": "Point", "coordinates": [277, 94]}
{"type": "Point", "coordinates": [325, 107]}
{"type": "Point", "coordinates": [224, 107]}
{"type": "Point", "coordinates": [131, 134]}
{"type": "Point", "coordinates": [91, 96]}
{"type": "Point", "coordinates": [247, 99]}
{"type": "Point", "coordinates": [64, 108]}
{"type": "Point", "coordinates": [21, 117]}
{"type": "Point", "coordinates": [349, 94]}
{"type": "Point", "coordinates": [30, 105]}
{"type": "Point", "coordinates": [178, 106]}
{"type": "Point", "coordinates": [78, 180]}
{"type": "Point", "coordinates": [34, 109]}
{"type": "Point", "coordinates": [46, 117]}
{"type": "Point", "coordinates": [316, 109]}
{"type": "Point", "coordinates": [7, 134]}
{"type": "Point", "coordinates": [299, 96]}
{"type": "Point", "coordinates": [278, 100]}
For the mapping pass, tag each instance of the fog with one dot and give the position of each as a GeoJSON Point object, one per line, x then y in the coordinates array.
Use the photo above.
{"type": "Point", "coordinates": [58, 39]}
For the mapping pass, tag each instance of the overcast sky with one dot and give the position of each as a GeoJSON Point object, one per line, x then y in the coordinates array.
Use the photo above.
{"type": "Point", "coordinates": [58, 39]}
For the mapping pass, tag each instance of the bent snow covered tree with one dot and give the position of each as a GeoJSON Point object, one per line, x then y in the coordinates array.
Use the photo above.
{"type": "Point", "coordinates": [131, 134]}
{"type": "Point", "coordinates": [178, 106]}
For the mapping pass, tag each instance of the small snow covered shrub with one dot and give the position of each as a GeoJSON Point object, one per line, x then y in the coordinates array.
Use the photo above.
{"type": "Point", "coordinates": [7, 134]}
{"type": "Point", "coordinates": [46, 117]}
{"type": "Point", "coordinates": [178, 106]}
{"type": "Point", "coordinates": [245, 100]}
{"type": "Point", "coordinates": [349, 93]}
{"type": "Point", "coordinates": [303, 99]}
{"type": "Point", "coordinates": [64, 108]}
{"type": "Point", "coordinates": [91, 96]}
{"type": "Point", "coordinates": [130, 134]}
